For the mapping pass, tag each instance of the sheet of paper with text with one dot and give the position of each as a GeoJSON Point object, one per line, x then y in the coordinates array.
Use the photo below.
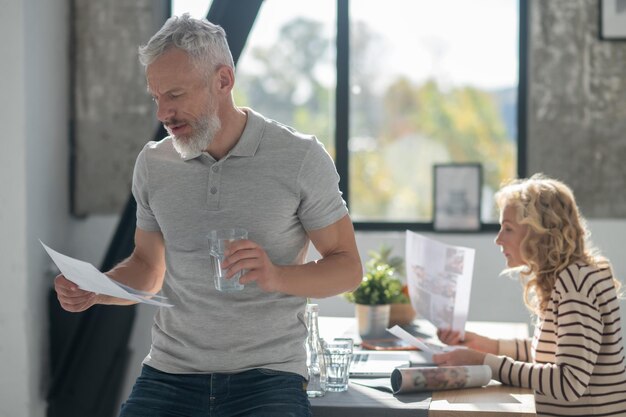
{"type": "Point", "coordinates": [439, 277]}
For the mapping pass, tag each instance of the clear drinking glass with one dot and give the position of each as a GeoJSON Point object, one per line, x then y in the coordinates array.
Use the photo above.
{"type": "Point", "coordinates": [337, 354]}
{"type": "Point", "coordinates": [219, 240]}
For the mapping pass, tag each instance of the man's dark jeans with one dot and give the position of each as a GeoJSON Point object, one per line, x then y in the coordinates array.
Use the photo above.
{"type": "Point", "coordinates": [254, 393]}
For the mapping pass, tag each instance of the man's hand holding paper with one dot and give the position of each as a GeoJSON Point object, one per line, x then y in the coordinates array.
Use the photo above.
{"type": "Point", "coordinates": [80, 285]}
{"type": "Point", "coordinates": [72, 297]}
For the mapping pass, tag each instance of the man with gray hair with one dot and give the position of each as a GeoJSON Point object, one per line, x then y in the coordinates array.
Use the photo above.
{"type": "Point", "coordinates": [222, 166]}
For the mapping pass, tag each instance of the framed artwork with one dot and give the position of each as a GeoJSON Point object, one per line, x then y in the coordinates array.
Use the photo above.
{"type": "Point", "coordinates": [457, 196]}
{"type": "Point", "coordinates": [613, 19]}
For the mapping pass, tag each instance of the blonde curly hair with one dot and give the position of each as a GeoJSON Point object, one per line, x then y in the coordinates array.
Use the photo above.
{"type": "Point", "coordinates": [556, 237]}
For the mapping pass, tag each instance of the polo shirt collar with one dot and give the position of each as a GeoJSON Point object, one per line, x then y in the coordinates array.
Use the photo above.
{"type": "Point", "coordinates": [189, 156]}
{"type": "Point", "coordinates": [250, 139]}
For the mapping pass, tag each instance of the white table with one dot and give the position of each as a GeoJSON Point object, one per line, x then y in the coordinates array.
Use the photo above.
{"type": "Point", "coordinates": [495, 400]}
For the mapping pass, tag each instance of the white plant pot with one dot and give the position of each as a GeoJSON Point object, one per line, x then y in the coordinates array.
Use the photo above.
{"type": "Point", "coordinates": [372, 320]}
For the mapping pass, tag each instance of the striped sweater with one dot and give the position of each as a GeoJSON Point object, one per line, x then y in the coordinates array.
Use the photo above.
{"type": "Point", "coordinates": [575, 361]}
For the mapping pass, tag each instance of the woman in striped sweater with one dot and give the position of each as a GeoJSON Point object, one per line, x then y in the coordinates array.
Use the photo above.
{"type": "Point", "coordinates": [575, 361]}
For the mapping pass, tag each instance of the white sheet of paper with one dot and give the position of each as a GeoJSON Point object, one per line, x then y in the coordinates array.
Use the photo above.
{"type": "Point", "coordinates": [439, 277]}
{"type": "Point", "coordinates": [415, 341]}
{"type": "Point", "coordinates": [88, 278]}
{"type": "Point", "coordinates": [428, 349]}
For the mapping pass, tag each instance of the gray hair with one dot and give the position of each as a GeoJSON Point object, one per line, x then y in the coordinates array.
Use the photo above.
{"type": "Point", "coordinates": [204, 41]}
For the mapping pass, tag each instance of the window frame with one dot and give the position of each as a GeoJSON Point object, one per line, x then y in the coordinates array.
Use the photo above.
{"type": "Point", "coordinates": [342, 119]}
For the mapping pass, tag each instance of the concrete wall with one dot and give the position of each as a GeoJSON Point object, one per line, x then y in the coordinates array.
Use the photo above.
{"type": "Point", "coordinates": [114, 116]}
{"type": "Point", "coordinates": [577, 104]}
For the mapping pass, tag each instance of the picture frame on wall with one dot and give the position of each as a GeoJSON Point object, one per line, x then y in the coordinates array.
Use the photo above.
{"type": "Point", "coordinates": [613, 20]}
{"type": "Point", "coordinates": [457, 196]}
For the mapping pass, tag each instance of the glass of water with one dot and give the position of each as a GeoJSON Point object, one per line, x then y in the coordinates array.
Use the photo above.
{"type": "Point", "coordinates": [219, 240]}
{"type": "Point", "coordinates": [337, 355]}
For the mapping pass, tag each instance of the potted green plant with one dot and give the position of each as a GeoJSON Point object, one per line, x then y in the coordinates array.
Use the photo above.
{"type": "Point", "coordinates": [401, 310]}
{"type": "Point", "coordinates": [381, 287]}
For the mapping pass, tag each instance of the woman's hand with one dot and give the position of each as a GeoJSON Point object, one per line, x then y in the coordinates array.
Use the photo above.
{"type": "Point", "coordinates": [470, 339]}
{"type": "Point", "coordinates": [459, 357]}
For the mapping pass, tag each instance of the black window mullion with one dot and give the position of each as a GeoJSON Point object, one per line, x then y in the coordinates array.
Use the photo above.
{"type": "Point", "coordinates": [522, 90]}
{"type": "Point", "coordinates": [342, 98]}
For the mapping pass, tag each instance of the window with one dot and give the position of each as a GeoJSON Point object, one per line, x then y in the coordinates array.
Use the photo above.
{"type": "Point", "coordinates": [392, 88]}
{"type": "Point", "coordinates": [196, 8]}
{"type": "Point", "coordinates": [287, 69]}
{"type": "Point", "coordinates": [434, 83]}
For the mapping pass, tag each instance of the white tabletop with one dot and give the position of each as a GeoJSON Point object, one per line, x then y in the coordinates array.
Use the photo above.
{"type": "Point", "coordinates": [359, 401]}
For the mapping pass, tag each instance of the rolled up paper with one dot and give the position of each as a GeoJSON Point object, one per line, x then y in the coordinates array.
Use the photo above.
{"type": "Point", "coordinates": [426, 378]}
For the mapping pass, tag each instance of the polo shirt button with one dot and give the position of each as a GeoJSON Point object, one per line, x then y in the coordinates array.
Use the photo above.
{"type": "Point", "coordinates": [213, 190]}
{"type": "Point", "coordinates": [215, 168]}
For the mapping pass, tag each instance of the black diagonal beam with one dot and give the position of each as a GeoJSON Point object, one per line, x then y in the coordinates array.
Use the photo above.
{"type": "Point", "coordinates": [237, 18]}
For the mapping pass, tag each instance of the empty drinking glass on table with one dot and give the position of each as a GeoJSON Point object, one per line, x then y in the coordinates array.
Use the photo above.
{"type": "Point", "coordinates": [337, 355]}
{"type": "Point", "coordinates": [219, 240]}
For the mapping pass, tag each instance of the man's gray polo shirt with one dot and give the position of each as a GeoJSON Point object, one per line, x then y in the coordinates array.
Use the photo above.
{"type": "Point", "coordinates": [277, 184]}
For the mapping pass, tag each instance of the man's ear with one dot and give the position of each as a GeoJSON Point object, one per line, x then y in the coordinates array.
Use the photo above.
{"type": "Point", "coordinates": [225, 78]}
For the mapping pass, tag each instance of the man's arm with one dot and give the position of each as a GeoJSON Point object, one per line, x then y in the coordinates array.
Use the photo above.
{"type": "Point", "coordinates": [338, 271]}
{"type": "Point", "coordinates": [143, 270]}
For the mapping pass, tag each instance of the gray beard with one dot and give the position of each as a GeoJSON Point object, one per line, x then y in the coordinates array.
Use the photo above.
{"type": "Point", "coordinates": [194, 145]}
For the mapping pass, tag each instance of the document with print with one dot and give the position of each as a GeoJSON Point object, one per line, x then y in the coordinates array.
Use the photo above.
{"type": "Point", "coordinates": [88, 278]}
{"type": "Point", "coordinates": [439, 277]}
